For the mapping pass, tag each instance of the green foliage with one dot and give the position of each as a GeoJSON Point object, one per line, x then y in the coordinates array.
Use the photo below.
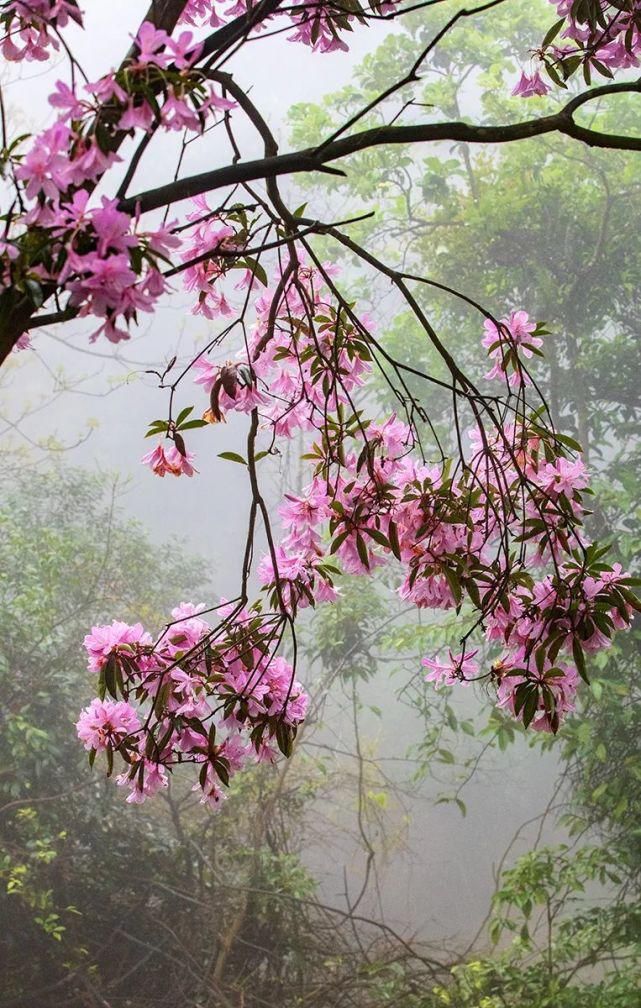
{"type": "Point", "coordinates": [562, 953]}
{"type": "Point", "coordinates": [551, 227]}
{"type": "Point", "coordinates": [347, 632]}
{"type": "Point", "coordinates": [106, 903]}
{"type": "Point", "coordinates": [544, 224]}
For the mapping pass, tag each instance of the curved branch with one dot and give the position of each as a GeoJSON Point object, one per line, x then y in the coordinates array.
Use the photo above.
{"type": "Point", "coordinates": [314, 159]}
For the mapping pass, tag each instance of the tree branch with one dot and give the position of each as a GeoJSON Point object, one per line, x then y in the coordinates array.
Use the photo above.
{"type": "Point", "coordinates": [316, 158]}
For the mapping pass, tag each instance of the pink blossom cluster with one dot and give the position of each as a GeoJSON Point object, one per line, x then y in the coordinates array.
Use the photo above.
{"type": "Point", "coordinates": [497, 531]}
{"type": "Point", "coordinates": [530, 85]}
{"type": "Point", "coordinates": [596, 36]}
{"type": "Point", "coordinates": [159, 86]}
{"type": "Point", "coordinates": [214, 697]}
{"type": "Point", "coordinates": [294, 373]}
{"type": "Point", "coordinates": [545, 627]}
{"type": "Point", "coordinates": [30, 27]}
{"type": "Point", "coordinates": [508, 342]}
{"type": "Point", "coordinates": [163, 461]}
{"type": "Point", "coordinates": [109, 267]}
{"type": "Point", "coordinates": [470, 533]}
{"type": "Point", "coordinates": [601, 33]}
{"type": "Point", "coordinates": [318, 24]}
{"type": "Point", "coordinates": [99, 255]}
{"type": "Point", "coordinates": [212, 248]}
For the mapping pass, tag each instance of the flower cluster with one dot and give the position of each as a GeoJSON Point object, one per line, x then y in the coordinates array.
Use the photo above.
{"type": "Point", "coordinates": [591, 35]}
{"type": "Point", "coordinates": [30, 29]}
{"type": "Point", "coordinates": [304, 359]}
{"type": "Point", "coordinates": [318, 24]}
{"type": "Point", "coordinates": [169, 460]}
{"type": "Point", "coordinates": [508, 342]}
{"type": "Point", "coordinates": [469, 533]}
{"type": "Point", "coordinates": [214, 697]}
{"type": "Point", "coordinates": [214, 246]}
{"type": "Point", "coordinates": [157, 87]}
{"type": "Point", "coordinates": [600, 33]}
{"type": "Point", "coordinates": [98, 255]}
{"type": "Point", "coordinates": [495, 532]}
{"type": "Point", "coordinates": [529, 85]}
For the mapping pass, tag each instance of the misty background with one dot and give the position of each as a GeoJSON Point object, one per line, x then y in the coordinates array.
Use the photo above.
{"type": "Point", "coordinates": [374, 807]}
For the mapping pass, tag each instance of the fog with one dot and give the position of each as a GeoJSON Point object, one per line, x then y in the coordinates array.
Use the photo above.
{"type": "Point", "coordinates": [70, 403]}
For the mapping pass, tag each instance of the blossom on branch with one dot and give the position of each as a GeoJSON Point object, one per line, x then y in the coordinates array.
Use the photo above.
{"type": "Point", "coordinates": [488, 526]}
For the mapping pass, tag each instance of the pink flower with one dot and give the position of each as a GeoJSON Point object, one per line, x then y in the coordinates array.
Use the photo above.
{"type": "Point", "coordinates": [153, 780]}
{"type": "Point", "coordinates": [196, 11]}
{"type": "Point", "coordinates": [64, 98]}
{"type": "Point", "coordinates": [184, 51]}
{"type": "Point", "coordinates": [458, 668]}
{"type": "Point", "coordinates": [151, 41]}
{"type": "Point", "coordinates": [106, 722]}
{"type": "Point", "coordinates": [45, 167]}
{"type": "Point", "coordinates": [563, 476]}
{"type": "Point", "coordinates": [22, 343]}
{"type": "Point", "coordinates": [106, 89]}
{"type": "Point", "coordinates": [395, 436]}
{"type": "Point", "coordinates": [513, 336]}
{"type": "Point", "coordinates": [177, 114]}
{"type": "Point", "coordinates": [137, 117]}
{"type": "Point", "coordinates": [529, 86]}
{"type": "Point", "coordinates": [162, 240]}
{"type": "Point", "coordinates": [310, 509]}
{"type": "Point", "coordinates": [211, 792]}
{"type": "Point", "coordinates": [103, 640]}
{"type": "Point", "coordinates": [112, 228]}
{"type": "Point", "coordinates": [170, 461]}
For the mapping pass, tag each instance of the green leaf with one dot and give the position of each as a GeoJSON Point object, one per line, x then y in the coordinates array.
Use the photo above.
{"type": "Point", "coordinates": [602, 68]}
{"type": "Point", "coordinates": [284, 739]}
{"type": "Point", "coordinates": [569, 442]}
{"type": "Point", "coordinates": [338, 541]}
{"type": "Point", "coordinates": [222, 769]}
{"type": "Point", "coordinates": [258, 270]}
{"type": "Point", "coordinates": [362, 550]}
{"type": "Point", "coordinates": [157, 428]}
{"type": "Point", "coordinates": [552, 33]}
{"type": "Point", "coordinates": [530, 706]}
{"type": "Point", "coordinates": [393, 540]}
{"type": "Point", "coordinates": [232, 457]}
{"type": "Point", "coordinates": [377, 536]}
{"type": "Point", "coordinates": [597, 689]}
{"type": "Point", "coordinates": [193, 424]}
{"type": "Point", "coordinates": [579, 660]}
{"type": "Point", "coordinates": [454, 584]}
{"type": "Point", "coordinates": [184, 413]}
{"type": "Point", "coordinates": [570, 65]}
{"type": "Point", "coordinates": [110, 676]}
{"type": "Point", "coordinates": [553, 75]}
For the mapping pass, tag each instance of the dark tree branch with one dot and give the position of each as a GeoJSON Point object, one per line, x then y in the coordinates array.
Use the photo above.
{"type": "Point", "coordinates": [316, 158]}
